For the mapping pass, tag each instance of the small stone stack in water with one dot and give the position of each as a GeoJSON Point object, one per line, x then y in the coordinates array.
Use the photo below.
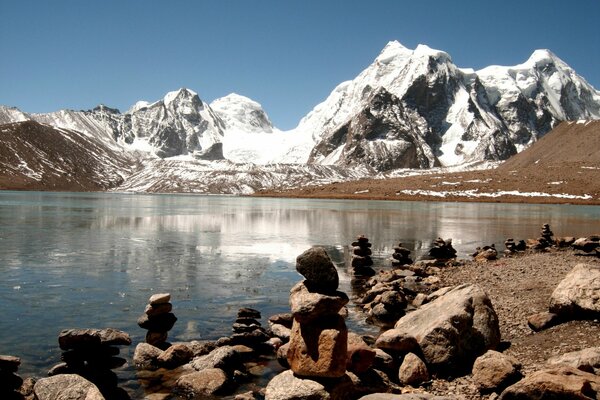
{"type": "Point", "coordinates": [247, 330]}
{"type": "Point", "coordinates": [319, 337]}
{"type": "Point", "coordinates": [361, 256]}
{"type": "Point", "coordinates": [92, 353]}
{"type": "Point", "coordinates": [10, 382]}
{"type": "Point", "coordinates": [158, 320]}
{"type": "Point", "coordinates": [442, 250]}
{"type": "Point", "coordinates": [401, 256]}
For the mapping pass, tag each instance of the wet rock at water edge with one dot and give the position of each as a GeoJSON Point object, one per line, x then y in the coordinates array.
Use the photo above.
{"type": "Point", "coordinates": [10, 382]}
{"type": "Point", "coordinates": [92, 354]}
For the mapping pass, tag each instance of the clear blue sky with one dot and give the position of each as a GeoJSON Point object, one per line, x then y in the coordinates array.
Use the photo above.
{"type": "Point", "coordinates": [287, 55]}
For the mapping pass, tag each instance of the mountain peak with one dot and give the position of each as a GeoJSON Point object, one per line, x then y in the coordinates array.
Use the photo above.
{"type": "Point", "coordinates": [391, 51]}
{"type": "Point", "coordinates": [541, 57]}
{"type": "Point", "coordinates": [181, 93]}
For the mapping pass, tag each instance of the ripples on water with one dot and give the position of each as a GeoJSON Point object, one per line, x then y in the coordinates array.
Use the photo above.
{"type": "Point", "coordinates": [78, 260]}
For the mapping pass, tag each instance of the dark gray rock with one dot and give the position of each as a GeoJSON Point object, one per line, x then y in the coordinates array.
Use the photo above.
{"type": "Point", "coordinates": [318, 269]}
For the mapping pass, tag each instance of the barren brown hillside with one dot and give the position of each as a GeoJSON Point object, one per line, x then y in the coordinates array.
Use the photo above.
{"type": "Point", "coordinates": [34, 156]}
{"type": "Point", "coordinates": [562, 167]}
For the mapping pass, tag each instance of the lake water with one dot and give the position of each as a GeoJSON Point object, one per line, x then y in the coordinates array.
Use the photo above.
{"type": "Point", "coordinates": [91, 260]}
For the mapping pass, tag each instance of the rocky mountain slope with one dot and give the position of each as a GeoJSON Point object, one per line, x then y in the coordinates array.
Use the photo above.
{"type": "Point", "coordinates": [408, 109]}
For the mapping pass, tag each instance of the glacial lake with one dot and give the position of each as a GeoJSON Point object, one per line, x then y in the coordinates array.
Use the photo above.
{"type": "Point", "coordinates": [92, 260]}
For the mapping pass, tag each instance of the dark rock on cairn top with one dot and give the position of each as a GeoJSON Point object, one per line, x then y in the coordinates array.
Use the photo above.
{"type": "Point", "coordinates": [316, 266]}
{"type": "Point", "coordinates": [158, 320]}
{"type": "Point", "coordinates": [92, 354]}
{"type": "Point", "coordinates": [10, 382]}
{"type": "Point", "coordinates": [361, 257]}
{"type": "Point", "coordinates": [401, 256]}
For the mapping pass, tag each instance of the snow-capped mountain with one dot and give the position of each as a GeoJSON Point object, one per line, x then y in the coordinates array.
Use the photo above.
{"type": "Point", "coordinates": [458, 115]}
{"type": "Point", "coordinates": [408, 109]}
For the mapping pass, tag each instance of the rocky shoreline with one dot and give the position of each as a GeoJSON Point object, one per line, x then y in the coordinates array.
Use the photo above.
{"type": "Point", "coordinates": [498, 326]}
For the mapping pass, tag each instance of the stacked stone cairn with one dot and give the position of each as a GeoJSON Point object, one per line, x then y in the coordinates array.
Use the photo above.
{"type": "Point", "coordinates": [158, 320]}
{"type": "Point", "coordinates": [544, 241]}
{"type": "Point", "coordinates": [513, 247]}
{"type": "Point", "coordinates": [442, 250]}
{"type": "Point", "coordinates": [247, 330]}
{"type": "Point", "coordinates": [361, 257]}
{"type": "Point", "coordinates": [401, 256]}
{"type": "Point", "coordinates": [485, 253]}
{"type": "Point", "coordinates": [10, 382]}
{"type": "Point", "coordinates": [319, 337]}
{"type": "Point", "coordinates": [92, 354]}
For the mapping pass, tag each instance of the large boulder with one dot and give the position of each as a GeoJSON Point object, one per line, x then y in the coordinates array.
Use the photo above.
{"type": "Point", "coordinates": [452, 330]}
{"type": "Point", "coordinates": [578, 294]}
{"type": "Point", "coordinates": [319, 349]}
{"type": "Point", "coordinates": [66, 387]}
{"type": "Point", "coordinates": [559, 382]}
{"type": "Point", "coordinates": [586, 360]}
{"type": "Point", "coordinates": [287, 386]}
{"type": "Point", "coordinates": [316, 266]}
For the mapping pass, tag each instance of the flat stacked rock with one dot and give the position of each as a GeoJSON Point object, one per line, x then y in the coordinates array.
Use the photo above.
{"type": "Point", "coordinates": [442, 250]}
{"type": "Point", "coordinates": [92, 354]}
{"type": "Point", "coordinates": [319, 337]}
{"type": "Point", "coordinates": [361, 256]}
{"type": "Point", "coordinates": [158, 320]}
{"type": "Point", "coordinates": [247, 330]}
{"type": "Point", "coordinates": [10, 382]}
{"type": "Point", "coordinates": [401, 256]}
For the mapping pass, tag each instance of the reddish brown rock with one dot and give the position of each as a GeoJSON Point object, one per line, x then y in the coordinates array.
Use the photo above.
{"type": "Point", "coordinates": [319, 349]}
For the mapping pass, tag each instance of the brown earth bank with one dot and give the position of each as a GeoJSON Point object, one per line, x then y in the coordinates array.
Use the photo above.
{"type": "Point", "coordinates": [562, 167]}
{"type": "Point", "coordinates": [518, 288]}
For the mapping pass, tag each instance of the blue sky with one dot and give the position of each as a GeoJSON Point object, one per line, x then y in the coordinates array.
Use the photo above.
{"type": "Point", "coordinates": [287, 55]}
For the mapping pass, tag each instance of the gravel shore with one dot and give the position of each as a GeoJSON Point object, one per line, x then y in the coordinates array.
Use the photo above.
{"type": "Point", "coordinates": [519, 287]}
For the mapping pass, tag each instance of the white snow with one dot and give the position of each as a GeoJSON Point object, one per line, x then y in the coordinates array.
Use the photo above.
{"type": "Point", "coordinates": [474, 193]}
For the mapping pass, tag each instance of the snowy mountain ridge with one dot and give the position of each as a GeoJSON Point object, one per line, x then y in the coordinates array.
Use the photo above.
{"type": "Point", "coordinates": [408, 109]}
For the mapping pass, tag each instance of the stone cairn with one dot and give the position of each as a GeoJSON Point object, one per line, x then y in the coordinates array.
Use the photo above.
{"type": "Point", "coordinates": [10, 382]}
{"type": "Point", "coordinates": [513, 247]}
{"type": "Point", "coordinates": [92, 354]}
{"type": "Point", "coordinates": [442, 249]}
{"type": "Point", "coordinates": [247, 330]}
{"type": "Point", "coordinates": [401, 256]}
{"type": "Point", "coordinates": [361, 257]}
{"type": "Point", "coordinates": [485, 253]}
{"type": "Point", "coordinates": [158, 320]}
{"type": "Point", "coordinates": [319, 337]}
{"type": "Point", "coordinates": [544, 241]}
